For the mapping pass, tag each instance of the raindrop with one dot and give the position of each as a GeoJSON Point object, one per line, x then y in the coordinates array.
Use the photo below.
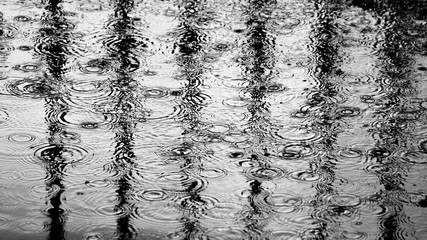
{"type": "Point", "coordinates": [236, 137]}
{"type": "Point", "coordinates": [218, 128]}
{"type": "Point", "coordinates": [236, 154]}
{"type": "Point", "coordinates": [66, 154]}
{"type": "Point", "coordinates": [408, 115]}
{"type": "Point", "coordinates": [21, 137]}
{"type": "Point", "coordinates": [89, 125]}
{"type": "Point", "coordinates": [96, 66]}
{"type": "Point", "coordinates": [350, 153]}
{"type": "Point", "coordinates": [235, 83]}
{"type": "Point", "coordinates": [197, 203]}
{"type": "Point", "coordinates": [348, 111]}
{"type": "Point", "coordinates": [93, 236]}
{"type": "Point", "coordinates": [213, 173]}
{"type": "Point", "coordinates": [267, 173]}
{"type": "Point", "coordinates": [91, 69]}
{"type": "Point", "coordinates": [305, 176]}
{"type": "Point", "coordinates": [235, 102]}
{"type": "Point", "coordinates": [284, 203]}
{"type": "Point", "coordinates": [181, 151]}
{"type": "Point", "coordinates": [181, 182]}
{"type": "Point", "coordinates": [104, 183]}
{"type": "Point", "coordinates": [210, 58]}
{"type": "Point", "coordinates": [296, 133]}
{"type": "Point", "coordinates": [222, 46]}
{"type": "Point", "coordinates": [367, 99]}
{"type": "Point", "coordinates": [32, 88]}
{"type": "Point", "coordinates": [379, 153]}
{"type": "Point", "coordinates": [153, 195]}
{"type": "Point", "coordinates": [344, 199]}
{"type": "Point", "coordinates": [156, 92]}
{"type": "Point", "coordinates": [25, 48]}
{"type": "Point", "coordinates": [5, 49]}
{"type": "Point", "coordinates": [276, 87]}
{"type": "Point", "coordinates": [296, 151]}
{"type": "Point", "coordinates": [353, 235]}
{"type": "Point", "coordinates": [22, 18]}
{"type": "Point", "coordinates": [150, 73]}
{"type": "Point", "coordinates": [46, 31]}
{"type": "Point", "coordinates": [29, 67]}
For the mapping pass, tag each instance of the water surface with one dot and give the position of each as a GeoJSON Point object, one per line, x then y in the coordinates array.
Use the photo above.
{"type": "Point", "coordinates": [213, 119]}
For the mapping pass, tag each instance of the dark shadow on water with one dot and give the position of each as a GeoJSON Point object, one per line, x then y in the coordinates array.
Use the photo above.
{"type": "Point", "coordinates": [121, 42]}
{"type": "Point", "coordinates": [188, 50]}
{"type": "Point", "coordinates": [258, 70]}
{"type": "Point", "coordinates": [396, 116]}
{"type": "Point", "coordinates": [324, 118]}
{"type": "Point", "coordinates": [54, 155]}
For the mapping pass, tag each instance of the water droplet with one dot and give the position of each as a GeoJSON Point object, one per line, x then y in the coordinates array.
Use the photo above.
{"type": "Point", "coordinates": [305, 176]}
{"type": "Point", "coordinates": [153, 195]}
{"type": "Point", "coordinates": [22, 18]}
{"type": "Point", "coordinates": [236, 154]}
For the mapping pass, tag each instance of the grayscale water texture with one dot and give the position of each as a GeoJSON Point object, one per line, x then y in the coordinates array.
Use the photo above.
{"type": "Point", "coordinates": [213, 119]}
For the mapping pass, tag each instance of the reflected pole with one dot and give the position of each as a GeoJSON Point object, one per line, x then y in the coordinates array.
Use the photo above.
{"type": "Point", "coordinates": [53, 39]}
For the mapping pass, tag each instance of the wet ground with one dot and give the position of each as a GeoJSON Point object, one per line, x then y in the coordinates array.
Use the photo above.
{"type": "Point", "coordinates": [213, 119]}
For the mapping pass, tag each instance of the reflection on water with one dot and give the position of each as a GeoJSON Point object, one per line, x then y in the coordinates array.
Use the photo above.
{"type": "Point", "coordinates": [392, 130]}
{"type": "Point", "coordinates": [191, 202]}
{"type": "Point", "coordinates": [258, 71]}
{"type": "Point", "coordinates": [54, 155]}
{"type": "Point", "coordinates": [203, 119]}
{"type": "Point", "coordinates": [120, 43]}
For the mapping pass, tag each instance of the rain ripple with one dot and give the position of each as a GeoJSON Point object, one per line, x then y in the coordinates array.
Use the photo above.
{"type": "Point", "coordinates": [296, 133]}
{"type": "Point", "coordinates": [85, 93]}
{"type": "Point", "coordinates": [226, 233]}
{"type": "Point", "coordinates": [86, 119]}
{"type": "Point", "coordinates": [196, 203]}
{"type": "Point", "coordinates": [64, 154]}
{"type": "Point", "coordinates": [5, 49]}
{"type": "Point", "coordinates": [284, 203]}
{"type": "Point", "coordinates": [43, 45]}
{"type": "Point", "coordinates": [296, 151]}
{"type": "Point", "coordinates": [29, 67]}
{"type": "Point", "coordinates": [181, 182]}
{"type": "Point", "coordinates": [224, 211]}
{"type": "Point", "coordinates": [22, 18]}
{"type": "Point", "coordinates": [30, 88]}
{"type": "Point", "coordinates": [264, 173]}
{"type": "Point", "coordinates": [151, 195]}
{"type": "Point", "coordinates": [305, 176]}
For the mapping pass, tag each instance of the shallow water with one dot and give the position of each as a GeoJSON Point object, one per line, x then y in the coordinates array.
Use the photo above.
{"type": "Point", "coordinates": [213, 119]}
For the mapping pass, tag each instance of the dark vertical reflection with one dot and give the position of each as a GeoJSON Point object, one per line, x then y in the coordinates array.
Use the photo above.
{"type": "Point", "coordinates": [121, 43]}
{"type": "Point", "coordinates": [395, 115]}
{"type": "Point", "coordinates": [258, 71]}
{"type": "Point", "coordinates": [4, 52]}
{"type": "Point", "coordinates": [53, 39]}
{"type": "Point", "coordinates": [323, 104]}
{"type": "Point", "coordinates": [188, 50]}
